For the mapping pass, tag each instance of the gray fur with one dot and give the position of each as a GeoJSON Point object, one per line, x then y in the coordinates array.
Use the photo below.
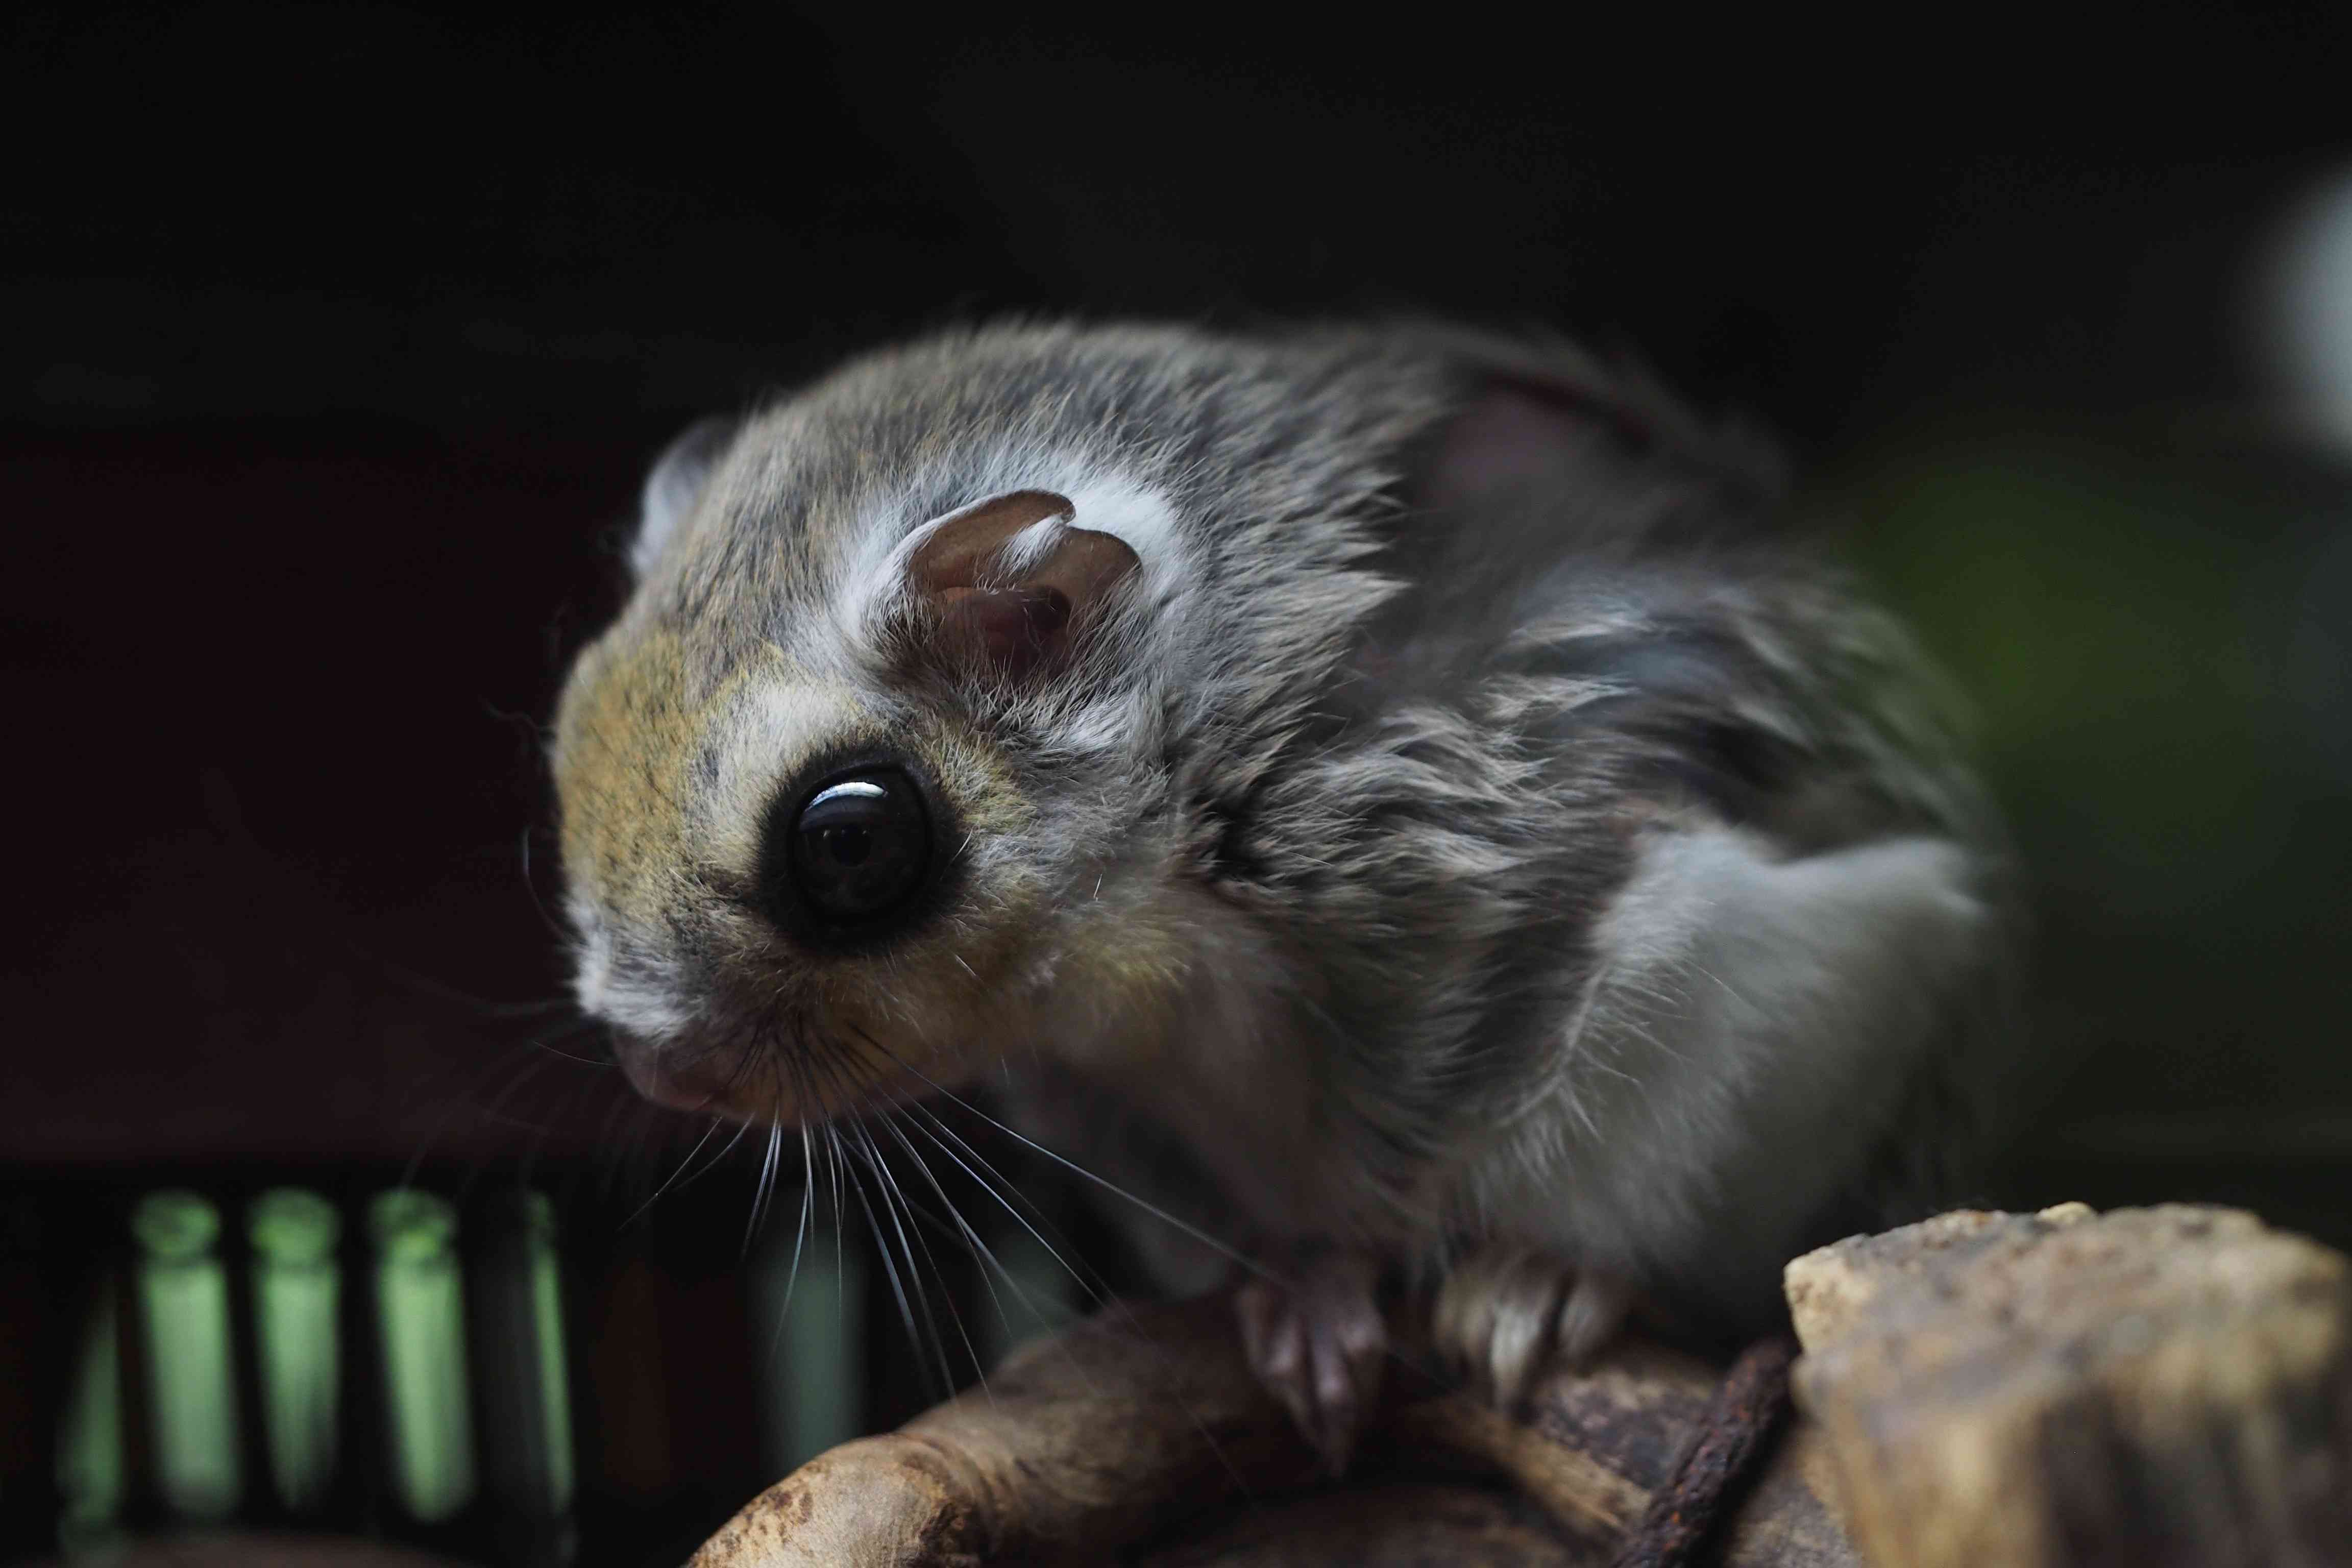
{"type": "Point", "coordinates": [1548, 854]}
{"type": "Point", "coordinates": [673, 487]}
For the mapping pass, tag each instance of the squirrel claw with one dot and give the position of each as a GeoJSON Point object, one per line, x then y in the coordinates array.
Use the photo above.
{"type": "Point", "coordinates": [1507, 1312]}
{"type": "Point", "coordinates": [1317, 1342]}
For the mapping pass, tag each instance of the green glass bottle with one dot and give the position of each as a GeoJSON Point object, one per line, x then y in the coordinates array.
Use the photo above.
{"type": "Point", "coordinates": [191, 1368]}
{"type": "Point", "coordinates": [525, 1390]}
{"type": "Point", "coordinates": [808, 1318]}
{"type": "Point", "coordinates": [420, 1311]}
{"type": "Point", "coordinates": [91, 1482]}
{"type": "Point", "coordinates": [297, 1302]}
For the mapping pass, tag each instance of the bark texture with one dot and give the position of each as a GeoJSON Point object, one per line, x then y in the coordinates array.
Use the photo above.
{"type": "Point", "coordinates": [2151, 1387]}
{"type": "Point", "coordinates": [1093, 1446]}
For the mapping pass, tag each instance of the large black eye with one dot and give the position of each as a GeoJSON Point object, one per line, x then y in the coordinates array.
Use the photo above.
{"type": "Point", "coordinates": [859, 845]}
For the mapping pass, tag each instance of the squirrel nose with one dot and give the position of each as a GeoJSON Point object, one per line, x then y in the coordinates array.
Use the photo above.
{"type": "Point", "coordinates": [670, 1082]}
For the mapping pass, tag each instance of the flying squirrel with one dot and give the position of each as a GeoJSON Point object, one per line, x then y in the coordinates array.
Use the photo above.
{"type": "Point", "coordinates": [1391, 796]}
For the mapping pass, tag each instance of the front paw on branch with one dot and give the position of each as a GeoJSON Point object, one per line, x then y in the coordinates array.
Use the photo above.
{"type": "Point", "coordinates": [1316, 1338]}
{"type": "Point", "coordinates": [1505, 1313]}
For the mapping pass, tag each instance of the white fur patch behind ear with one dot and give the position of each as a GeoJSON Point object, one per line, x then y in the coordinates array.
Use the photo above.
{"type": "Point", "coordinates": [1143, 519]}
{"type": "Point", "coordinates": [1015, 555]}
{"type": "Point", "coordinates": [679, 477]}
{"type": "Point", "coordinates": [1101, 499]}
{"type": "Point", "coordinates": [1023, 552]}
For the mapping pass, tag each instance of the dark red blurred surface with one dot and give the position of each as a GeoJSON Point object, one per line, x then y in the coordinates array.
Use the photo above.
{"type": "Point", "coordinates": [277, 693]}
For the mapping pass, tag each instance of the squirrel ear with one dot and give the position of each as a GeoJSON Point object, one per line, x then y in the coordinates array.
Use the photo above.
{"type": "Point", "coordinates": [1509, 434]}
{"type": "Point", "coordinates": [1013, 586]}
{"type": "Point", "coordinates": [679, 478]}
{"type": "Point", "coordinates": [1538, 412]}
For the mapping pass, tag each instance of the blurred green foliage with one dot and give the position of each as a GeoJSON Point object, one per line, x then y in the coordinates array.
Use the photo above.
{"type": "Point", "coordinates": [2151, 649]}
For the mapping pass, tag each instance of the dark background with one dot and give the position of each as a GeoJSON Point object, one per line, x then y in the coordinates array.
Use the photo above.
{"type": "Point", "coordinates": [339, 336]}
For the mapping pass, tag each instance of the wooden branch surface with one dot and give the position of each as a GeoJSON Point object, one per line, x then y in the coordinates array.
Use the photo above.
{"type": "Point", "coordinates": [1083, 1442]}
{"type": "Point", "coordinates": [1103, 1437]}
{"type": "Point", "coordinates": [2153, 1387]}
{"type": "Point", "coordinates": [2159, 1387]}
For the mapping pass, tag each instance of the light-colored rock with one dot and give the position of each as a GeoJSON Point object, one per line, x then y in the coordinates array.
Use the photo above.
{"type": "Point", "coordinates": [2157, 1387]}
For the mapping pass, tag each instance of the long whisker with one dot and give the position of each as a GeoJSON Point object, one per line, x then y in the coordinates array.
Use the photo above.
{"type": "Point", "coordinates": [1107, 1305]}
{"type": "Point", "coordinates": [838, 1072]}
{"type": "Point", "coordinates": [1195, 1232]}
{"type": "Point", "coordinates": [841, 1277]}
{"type": "Point", "coordinates": [765, 1188]}
{"type": "Point", "coordinates": [808, 1201]}
{"type": "Point", "coordinates": [897, 1204]}
{"type": "Point", "coordinates": [684, 1165]}
{"type": "Point", "coordinates": [562, 932]}
{"type": "Point", "coordinates": [948, 1204]}
{"type": "Point", "coordinates": [888, 1188]}
{"type": "Point", "coordinates": [457, 1102]}
{"type": "Point", "coordinates": [989, 1184]}
{"type": "Point", "coordinates": [424, 985]}
{"type": "Point", "coordinates": [781, 1065]}
{"type": "Point", "coordinates": [1110, 1306]}
{"type": "Point", "coordinates": [540, 1043]}
{"type": "Point", "coordinates": [889, 1263]}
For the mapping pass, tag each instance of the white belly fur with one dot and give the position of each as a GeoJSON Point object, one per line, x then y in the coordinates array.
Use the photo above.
{"type": "Point", "coordinates": [1744, 1043]}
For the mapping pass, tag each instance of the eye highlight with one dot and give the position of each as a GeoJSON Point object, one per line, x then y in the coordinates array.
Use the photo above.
{"type": "Point", "coordinates": [856, 848]}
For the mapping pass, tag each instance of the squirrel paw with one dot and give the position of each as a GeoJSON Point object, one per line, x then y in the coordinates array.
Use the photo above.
{"type": "Point", "coordinates": [1508, 1310]}
{"type": "Point", "coordinates": [1317, 1342]}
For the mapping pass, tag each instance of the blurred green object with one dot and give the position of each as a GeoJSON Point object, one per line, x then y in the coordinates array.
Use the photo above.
{"type": "Point", "coordinates": [421, 1319]}
{"type": "Point", "coordinates": [297, 1292]}
{"type": "Point", "coordinates": [2148, 620]}
{"type": "Point", "coordinates": [808, 1300]}
{"type": "Point", "coordinates": [1032, 1292]}
{"type": "Point", "coordinates": [191, 1370]}
{"type": "Point", "coordinates": [554, 1383]}
{"type": "Point", "coordinates": [517, 1305]}
{"type": "Point", "coordinates": [2102, 624]}
{"type": "Point", "coordinates": [90, 1481]}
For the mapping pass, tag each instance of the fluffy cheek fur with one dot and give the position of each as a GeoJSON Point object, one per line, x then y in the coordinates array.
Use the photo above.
{"type": "Point", "coordinates": [747, 1027]}
{"type": "Point", "coordinates": [714, 1010]}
